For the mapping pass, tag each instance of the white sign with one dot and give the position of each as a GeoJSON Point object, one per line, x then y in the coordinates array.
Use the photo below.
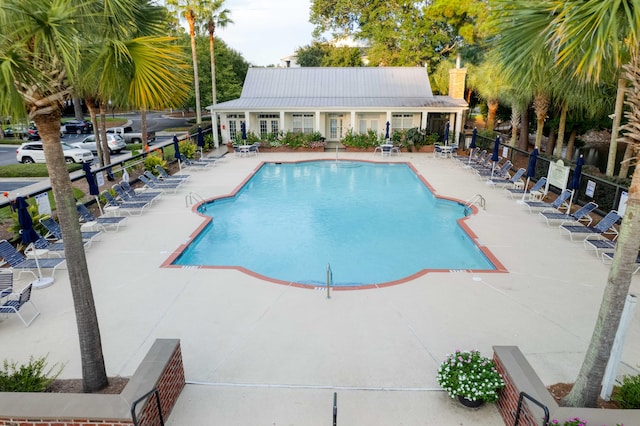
{"type": "Point", "coordinates": [44, 207]}
{"type": "Point", "coordinates": [622, 204]}
{"type": "Point", "coordinates": [558, 175]}
{"type": "Point", "coordinates": [591, 189]}
{"type": "Point", "coordinates": [99, 179]}
{"type": "Point", "coordinates": [505, 152]}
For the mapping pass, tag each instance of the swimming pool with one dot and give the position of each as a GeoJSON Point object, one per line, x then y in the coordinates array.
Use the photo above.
{"type": "Point", "coordinates": [372, 223]}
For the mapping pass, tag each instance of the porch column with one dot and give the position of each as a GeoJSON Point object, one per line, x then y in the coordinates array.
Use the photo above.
{"type": "Point", "coordinates": [458, 126]}
{"type": "Point", "coordinates": [316, 126]}
{"type": "Point", "coordinates": [390, 123]}
{"type": "Point", "coordinates": [281, 127]}
{"type": "Point", "coordinates": [247, 120]}
{"type": "Point", "coordinates": [353, 120]}
{"type": "Point", "coordinates": [423, 122]}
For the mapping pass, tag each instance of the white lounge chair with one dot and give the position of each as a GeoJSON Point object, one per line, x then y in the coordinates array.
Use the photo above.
{"type": "Point", "coordinates": [558, 204]}
{"type": "Point", "coordinates": [579, 216]}
{"type": "Point", "coordinates": [604, 228]}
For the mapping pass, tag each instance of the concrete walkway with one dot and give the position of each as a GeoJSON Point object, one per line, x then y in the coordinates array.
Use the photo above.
{"type": "Point", "coordinates": [258, 353]}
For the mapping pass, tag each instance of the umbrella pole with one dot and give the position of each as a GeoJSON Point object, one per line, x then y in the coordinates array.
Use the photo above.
{"type": "Point", "coordinates": [524, 192]}
{"type": "Point", "coordinates": [470, 155]}
{"type": "Point", "coordinates": [99, 206]}
{"type": "Point", "coordinates": [40, 282]}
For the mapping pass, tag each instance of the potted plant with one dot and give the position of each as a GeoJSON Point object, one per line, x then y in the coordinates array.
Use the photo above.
{"type": "Point", "coordinates": [470, 377]}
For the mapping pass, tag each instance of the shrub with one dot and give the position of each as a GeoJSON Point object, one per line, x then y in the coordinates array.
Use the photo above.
{"type": "Point", "coordinates": [188, 148]}
{"type": "Point", "coordinates": [152, 161]}
{"type": "Point", "coordinates": [627, 394]}
{"type": "Point", "coordinates": [470, 375]}
{"type": "Point", "coordinates": [32, 377]}
{"type": "Point", "coordinates": [362, 140]}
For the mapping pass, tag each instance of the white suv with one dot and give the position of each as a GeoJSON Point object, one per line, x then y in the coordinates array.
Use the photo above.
{"type": "Point", "coordinates": [32, 152]}
{"type": "Point", "coordinates": [116, 144]}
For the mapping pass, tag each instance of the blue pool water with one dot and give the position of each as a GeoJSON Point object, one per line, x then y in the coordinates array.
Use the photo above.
{"type": "Point", "coordinates": [373, 223]}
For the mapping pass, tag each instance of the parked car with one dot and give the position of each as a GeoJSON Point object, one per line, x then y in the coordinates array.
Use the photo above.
{"type": "Point", "coordinates": [22, 132]}
{"type": "Point", "coordinates": [77, 126]}
{"type": "Point", "coordinates": [130, 136]}
{"type": "Point", "coordinates": [32, 152]}
{"type": "Point", "coordinates": [116, 144]}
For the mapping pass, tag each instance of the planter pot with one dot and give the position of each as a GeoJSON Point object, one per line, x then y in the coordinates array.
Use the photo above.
{"type": "Point", "coordinates": [469, 403]}
{"type": "Point", "coordinates": [355, 149]}
{"type": "Point", "coordinates": [230, 149]}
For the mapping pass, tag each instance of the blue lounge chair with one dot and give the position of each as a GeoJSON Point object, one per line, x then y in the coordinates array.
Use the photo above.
{"type": "Point", "coordinates": [579, 216]}
{"type": "Point", "coordinates": [500, 172]}
{"type": "Point", "coordinates": [103, 222]}
{"type": "Point", "coordinates": [6, 283]}
{"type": "Point", "coordinates": [559, 203]}
{"type": "Point", "coordinates": [607, 258]}
{"type": "Point", "coordinates": [519, 192]}
{"type": "Point", "coordinates": [194, 164]}
{"type": "Point", "coordinates": [514, 181]}
{"type": "Point", "coordinates": [166, 176]}
{"type": "Point", "coordinates": [54, 232]}
{"type": "Point", "coordinates": [129, 207]}
{"type": "Point", "coordinates": [18, 262]}
{"type": "Point", "coordinates": [15, 302]}
{"type": "Point", "coordinates": [164, 187]}
{"type": "Point", "coordinates": [130, 194]}
{"type": "Point", "coordinates": [53, 247]}
{"type": "Point", "coordinates": [603, 228]}
{"type": "Point", "coordinates": [599, 245]}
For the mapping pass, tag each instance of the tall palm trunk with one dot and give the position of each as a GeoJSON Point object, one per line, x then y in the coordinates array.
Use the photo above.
{"type": "Point", "coordinates": [617, 116]}
{"type": "Point", "coordinates": [524, 130]}
{"type": "Point", "coordinates": [629, 153]}
{"type": "Point", "coordinates": [93, 369]}
{"type": "Point", "coordinates": [571, 142]}
{"type": "Point", "coordinates": [541, 104]}
{"type": "Point", "coordinates": [214, 118]}
{"type": "Point", "coordinates": [562, 127]}
{"type": "Point", "coordinates": [587, 385]}
{"type": "Point", "coordinates": [103, 134]}
{"type": "Point", "coordinates": [93, 114]}
{"type": "Point", "coordinates": [515, 123]}
{"type": "Point", "coordinates": [492, 105]}
{"type": "Point", "coordinates": [143, 124]}
{"type": "Point", "coordinates": [77, 108]}
{"type": "Point", "coordinates": [191, 19]}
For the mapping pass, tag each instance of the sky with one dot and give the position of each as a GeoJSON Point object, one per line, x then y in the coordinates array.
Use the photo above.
{"type": "Point", "coordinates": [266, 31]}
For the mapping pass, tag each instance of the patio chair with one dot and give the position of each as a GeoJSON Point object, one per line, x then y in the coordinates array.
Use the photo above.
{"type": "Point", "coordinates": [559, 203]}
{"type": "Point", "coordinates": [129, 207]}
{"type": "Point", "coordinates": [169, 182]}
{"type": "Point", "coordinates": [213, 158]}
{"type": "Point", "coordinates": [131, 194]}
{"type": "Point", "coordinates": [480, 158]}
{"type": "Point", "coordinates": [102, 222]}
{"type": "Point", "coordinates": [166, 176]}
{"type": "Point", "coordinates": [519, 192]}
{"type": "Point", "coordinates": [600, 246]}
{"type": "Point", "coordinates": [164, 187]}
{"type": "Point", "coordinates": [254, 149]}
{"type": "Point", "coordinates": [15, 302]}
{"type": "Point", "coordinates": [54, 232]}
{"type": "Point", "coordinates": [607, 258]}
{"type": "Point", "coordinates": [18, 262]}
{"type": "Point", "coordinates": [195, 165]}
{"type": "Point", "coordinates": [582, 215]}
{"type": "Point", "coordinates": [43, 246]}
{"type": "Point", "coordinates": [514, 181]}
{"type": "Point", "coordinates": [6, 283]}
{"type": "Point", "coordinates": [603, 229]}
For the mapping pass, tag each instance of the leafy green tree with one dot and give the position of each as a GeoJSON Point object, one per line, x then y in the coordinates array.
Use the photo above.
{"type": "Point", "coordinates": [45, 47]}
{"type": "Point", "coordinates": [311, 55]}
{"type": "Point", "coordinates": [590, 36]}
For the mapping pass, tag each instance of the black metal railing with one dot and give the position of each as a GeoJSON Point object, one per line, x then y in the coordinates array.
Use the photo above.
{"type": "Point", "coordinates": [335, 408]}
{"type": "Point", "coordinates": [535, 401]}
{"type": "Point", "coordinates": [143, 397]}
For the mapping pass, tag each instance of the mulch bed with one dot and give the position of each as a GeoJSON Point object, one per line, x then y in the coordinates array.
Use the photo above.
{"type": "Point", "coordinates": [115, 386]}
{"type": "Point", "coordinates": [560, 390]}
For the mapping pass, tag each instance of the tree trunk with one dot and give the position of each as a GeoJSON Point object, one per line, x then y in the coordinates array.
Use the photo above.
{"type": "Point", "coordinates": [492, 105]}
{"type": "Point", "coordinates": [587, 385]}
{"type": "Point", "coordinates": [94, 374]}
{"type": "Point", "coordinates": [191, 17]}
{"type": "Point", "coordinates": [629, 153]}
{"type": "Point", "coordinates": [515, 123]}
{"type": "Point", "coordinates": [551, 142]}
{"type": "Point", "coordinates": [541, 106]}
{"type": "Point", "coordinates": [562, 126]}
{"type": "Point", "coordinates": [92, 107]}
{"type": "Point", "coordinates": [77, 109]}
{"type": "Point", "coordinates": [214, 116]}
{"type": "Point", "coordinates": [524, 130]}
{"type": "Point", "coordinates": [617, 116]}
{"type": "Point", "coordinates": [568, 155]}
{"type": "Point", "coordinates": [103, 134]}
{"type": "Point", "coordinates": [143, 125]}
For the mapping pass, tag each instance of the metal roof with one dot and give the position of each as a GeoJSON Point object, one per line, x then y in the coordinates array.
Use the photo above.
{"type": "Point", "coordinates": [358, 87]}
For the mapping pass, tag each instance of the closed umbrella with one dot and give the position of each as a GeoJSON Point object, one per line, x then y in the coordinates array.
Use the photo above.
{"type": "Point", "coordinates": [575, 179]}
{"type": "Point", "coordinates": [91, 181]}
{"type": "Point", "coordinates": [176, 151]}
{"type": "Point", "coordinates": [200, 138]}
{"type": "Point", "coordinates": [472, 145]}
{"type": "Point", "coordinates": [495, 156]}
{"type": "Point", "coordinates": [29, 236]}
{"type": "Point", "coordinates": [243, 129]}
{"type": "Point", "coordinates": [386, 134]}
{"type": "Point", "coordinates": [446, 134]}
{"type": "Point", "coordinates": [531, 170]}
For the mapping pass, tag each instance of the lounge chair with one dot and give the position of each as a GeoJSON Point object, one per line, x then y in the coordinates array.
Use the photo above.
{"type": "Point", "coordinates": [514, 181]}
{"type": "Point", "coordinates": [579, 216]}
{"type": "Point", "coordinates": [166, 176]}
{"type": "Point", "coordinates": [500, 172]}
{"type": "Point", "coordinates": [476, 160]}
{"type": "Point", "coordinates": [607, 258]}
{"type": "Point", "coordinates": [213, 158]}
{"type": "Point", "coordinates": [194, 164]}
{"type": "Point", "coordinates": [604, 228]}
{"type": "Point", "coordinates": [18, 262]}
{"type": "Point", "coordinates": [519, 192]}
{"type": "Point", "coordinates": [168, 182]}
{"type": "Point", "coordinates": [52, 247]}
{"type": "Point", "coordinates": [131, 194]}
{"type": "Point", "coordinates": [54, 231]}
{"type": "Point", "coordinates": [6, 283]}
{"type": "Point", "coordinates": [129, 207]}
{"type": "Point", "coordinates": [104, 223]}
{"type": "Point", "coordinates": [559, 203]}
{"type": "Point", "coordinates": [599, 245]}
{"type": "Point", "coordinates": [164, 187]}
{"type": "Point", "coordinates": [15, 302]}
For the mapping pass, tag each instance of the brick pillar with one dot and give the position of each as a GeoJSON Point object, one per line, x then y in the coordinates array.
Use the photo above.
{"type": "Point", "coordinates": [456, 82]}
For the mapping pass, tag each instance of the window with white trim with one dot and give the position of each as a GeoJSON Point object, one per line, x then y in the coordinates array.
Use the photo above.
{"type": "Point", "coordinates": [269, 123]}
{"type": "Point", "coordinates": [302, 123]}
{"type": "Point", "coordinates": [233, 121]}
{"type": "Point", "coordinates": [402, 121]}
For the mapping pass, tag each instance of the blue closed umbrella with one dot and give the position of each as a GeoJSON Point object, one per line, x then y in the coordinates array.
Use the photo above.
{"type": "Point", "coordinates": [200, 138]}
{"type": "Point", "coordinates": [531, 169]}
{"type": "Point", "coordinates": [577, 173]}
{"type": "Point", "coordinates": [243, 129]}
{"type": "Point", "coordinates": [386, 134]}
{"type": "Point", "coordinates": [472, 145]}
{"type": "Point", "coordinates": [27, 232]}
{"type": "Point", "coordinates": [91, 179]}
{"type": "Point", "coordinates": [446, 134]}
{"type": "Point", "coordinates": [495, 156]}
{"type": "Point", "coordinates": [176, 148]}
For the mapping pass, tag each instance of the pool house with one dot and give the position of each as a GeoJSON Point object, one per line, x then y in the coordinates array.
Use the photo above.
{"type": "Point", "coordinates": [333, 100]}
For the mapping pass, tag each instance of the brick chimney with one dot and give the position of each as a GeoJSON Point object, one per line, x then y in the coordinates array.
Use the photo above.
{"type": "Point", "coordinates": [456, 81]}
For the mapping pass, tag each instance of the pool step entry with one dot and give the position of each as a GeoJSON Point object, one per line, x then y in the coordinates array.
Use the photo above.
{"type": "Point", "coordinates": [476, 199]}
{"type": "Point", "coordinates": [192, 198]}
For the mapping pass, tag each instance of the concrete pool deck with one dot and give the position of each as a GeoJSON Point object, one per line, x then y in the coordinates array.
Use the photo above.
{"type": "Point", "coordinates": [256, 352]}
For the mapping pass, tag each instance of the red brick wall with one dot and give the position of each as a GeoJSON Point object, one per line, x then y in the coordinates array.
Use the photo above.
{"type": "Point", "coordinates": [508, 401]}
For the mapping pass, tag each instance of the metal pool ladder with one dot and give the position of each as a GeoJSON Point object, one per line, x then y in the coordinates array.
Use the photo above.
{"type": "Point", "coordinates": [477, 199]}
{"type": "Point", "coordinates": [192, 198]}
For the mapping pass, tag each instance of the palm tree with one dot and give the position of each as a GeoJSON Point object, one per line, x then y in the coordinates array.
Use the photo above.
{"type": "Point", "coordinates": [588, 36]}
{"type": "Point", "coordinates": [193, 11]}
{"type": "Point", "coordinates": [42, 42]}
{"type": "Point", "coordinates": [220, 18]}
{"type": "Point", "coordinates": [489, 84]}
